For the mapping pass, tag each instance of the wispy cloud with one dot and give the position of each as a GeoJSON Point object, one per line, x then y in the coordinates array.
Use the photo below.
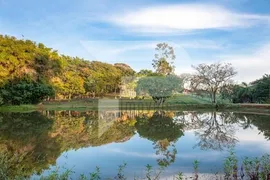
{"type": "Point", "coordinates": [135, 154]}
{"type": "Point", "coordinates": [252, 65]}
{"type": "Point", "coordinates": [92, 30]}
{"type": "Point", "coordinates": [184, 17]}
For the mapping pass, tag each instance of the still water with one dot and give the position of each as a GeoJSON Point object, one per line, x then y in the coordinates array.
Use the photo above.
{"type": "Point", "coordinates": [34, 144]}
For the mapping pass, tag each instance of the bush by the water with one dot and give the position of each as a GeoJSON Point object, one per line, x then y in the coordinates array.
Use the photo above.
{"type": "Point", "coordinates": [24, 92]}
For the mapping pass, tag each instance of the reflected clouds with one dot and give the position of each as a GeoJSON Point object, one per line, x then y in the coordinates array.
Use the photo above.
{"type": "Point", "coordinates": [169, 139]}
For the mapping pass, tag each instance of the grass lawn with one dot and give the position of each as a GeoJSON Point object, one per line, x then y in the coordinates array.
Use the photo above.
{"type": "Point", "coordinates": [177, 102]}
{"type": "Point", "coordinates": [94, 104]}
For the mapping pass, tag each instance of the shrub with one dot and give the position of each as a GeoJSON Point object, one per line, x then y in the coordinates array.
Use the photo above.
{"type": "Point", "coordinates": [25, 92]}
{"type": "Point", "coordinates": [1, 100]}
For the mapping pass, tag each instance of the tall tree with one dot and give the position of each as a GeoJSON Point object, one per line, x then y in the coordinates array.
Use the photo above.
{"type": "Point", "coordinates": [164, 59]}
{"type": "Point", "coordinates": [210, 78]}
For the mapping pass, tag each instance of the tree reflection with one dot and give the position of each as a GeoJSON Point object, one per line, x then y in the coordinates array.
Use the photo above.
{"type": "Point", "coordinates": [218, 129]}
{"type": "Point", "coordinates": [31, 142]}
{"type": "Point", "coordinates": [25, 146]}
{"type": "Point", "coordinates": [248, 120]}
{"type": "Point", "coordinates": [259, 120]}
{"type": "Point", "coordinates": [215, 133]}
{"type": "Point", "coordinates": [163, 131]}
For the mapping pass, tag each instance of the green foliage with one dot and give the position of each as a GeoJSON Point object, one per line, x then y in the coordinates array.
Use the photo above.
{"type": "Point", "coordinates": [30, 142]}
{"type": "Point", "coordinates": [56, 175]}
{"type": "Point", "coordinates": [261, 92]}
{"type": "Point", "coordinates": [1, 100]}
{"type": "Point", "coordinates": [120, 175]}
{"type": "Point", "coordinates": [95, 175]}
{"type": "Point", "coordinates": [196, 165]}
{"type": "Point", "coordinates": [265, 166]}
{"type": "Point", "coordinates": [148, 171]}
{"type": "Point", "coordinates": [68, 76]}
{"type": "Point", "coordinates": [25, 92]}
{"type": "Point", "coordinates": [159, 87]}
{"type": "Point", "coordinates": [25, 145]}
{"type": "Point", "coordinates": [242, 94]}
{"type": "Point", "coordinates": [179, 176]}
{"type": "Point", "coordinates": [255, 92]}
{"type": "Point", "coordinates": [146, 72]}
{"type": "Point", "coordinates": [196, 169]}
{"type": "Point", "coordinates": [164, 57]}
{"type": "Point", "coordinates": [163, 131]}
{"type": "Point", "coordinates": [251, 167]}
{"type": "Point", "coordinates": [230, 165]}
{"type": "Point", "coordinates": [159, 126]}
{"type": "Point", "coordinates": [126, 70]}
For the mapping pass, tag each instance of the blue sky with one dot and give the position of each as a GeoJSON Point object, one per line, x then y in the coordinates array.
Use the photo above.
{"type": "Point", "coordinates": [127, 31]}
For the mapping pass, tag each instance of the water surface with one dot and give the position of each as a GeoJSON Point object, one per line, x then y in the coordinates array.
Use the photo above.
{"type": "Point", "coordinates": [34, 144]}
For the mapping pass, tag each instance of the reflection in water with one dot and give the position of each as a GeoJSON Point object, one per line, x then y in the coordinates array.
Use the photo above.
{"type": "Point", "coordinates": [212, 129]}
{"type": "Point", "coordinates": [215, 133]}
{"type": "Point", "coordinates": [164, 132]}
{"type": "Point", "coordinates": [25, 145]}
{"type": "Point", "coordinates": [32, 142]}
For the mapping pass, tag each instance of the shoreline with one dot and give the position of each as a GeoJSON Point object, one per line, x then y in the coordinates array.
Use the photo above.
{"type": "Point", "coordinates": [244, 108]}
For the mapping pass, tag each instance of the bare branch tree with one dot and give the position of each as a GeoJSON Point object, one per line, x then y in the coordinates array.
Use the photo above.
{"type": "Point", "coordinates": [209, 79]}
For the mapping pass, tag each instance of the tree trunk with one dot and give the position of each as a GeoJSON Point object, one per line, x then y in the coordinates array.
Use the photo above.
{"type": "Point", "coordinates": [214, 97]}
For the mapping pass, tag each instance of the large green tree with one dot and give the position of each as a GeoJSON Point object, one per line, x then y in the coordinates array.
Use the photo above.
{"type": "Point", "coordinates": [159, 87]}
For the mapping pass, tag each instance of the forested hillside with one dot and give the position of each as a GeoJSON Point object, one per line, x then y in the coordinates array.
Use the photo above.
{"type": "Point", "coordinates": [31, 72]}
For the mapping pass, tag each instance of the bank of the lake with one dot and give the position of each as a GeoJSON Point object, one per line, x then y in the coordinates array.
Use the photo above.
{"type": "Point", "coordinates": [179, 102]}
{"type": "Point", "coordinates": [90, 104]}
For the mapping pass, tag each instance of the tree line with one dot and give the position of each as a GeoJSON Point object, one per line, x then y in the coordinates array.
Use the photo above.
{"type": "Point", "coordinates": [31, 72]}
{"type": "Point", "coordinates": [257, 91]}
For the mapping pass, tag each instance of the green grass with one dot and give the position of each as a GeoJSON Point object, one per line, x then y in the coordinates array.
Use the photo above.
{"type": "Point", "coordinates": [93, 104]}
{"type": "Point", "coordinates": [177, 102]}
{"type": "Point", "coordinates": [19, 108]}
{"type": "Point", "coordinates": [188, 99]}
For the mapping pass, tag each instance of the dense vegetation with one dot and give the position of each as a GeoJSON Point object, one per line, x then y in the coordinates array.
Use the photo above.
{"type": "Point", "coordinates": [31, 72]}
{"type": "Point", "coordinates": [255, 92]}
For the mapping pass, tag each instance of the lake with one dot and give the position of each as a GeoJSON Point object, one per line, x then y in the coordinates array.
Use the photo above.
{"type": "Point", "coordinates": [34, 144]}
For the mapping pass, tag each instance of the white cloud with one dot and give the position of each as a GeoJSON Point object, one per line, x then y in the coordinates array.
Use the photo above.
{"type": "Point", "coordinates": [251, 66]}
{"type": "Point", "coordinates": [134, 154]}
{"type": "Point", "coordinates": [139, 54]}
{"type": "Point", "coordinates": [184, 17]}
